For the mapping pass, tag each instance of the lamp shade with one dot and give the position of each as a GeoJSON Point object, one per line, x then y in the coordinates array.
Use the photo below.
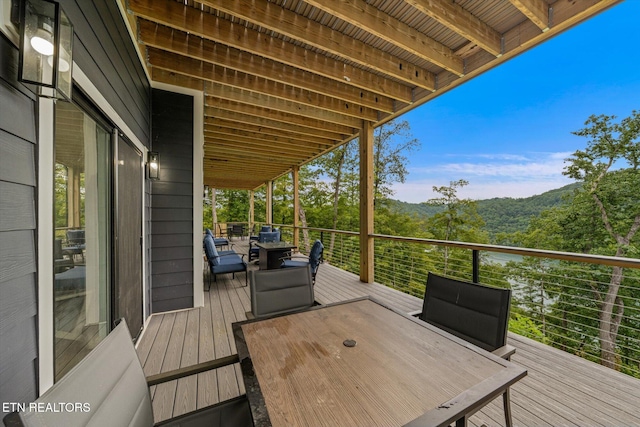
{"type": "Point", "coordinates": [154, 165]}
{"type": "Point", "coordinates": [46, 54]}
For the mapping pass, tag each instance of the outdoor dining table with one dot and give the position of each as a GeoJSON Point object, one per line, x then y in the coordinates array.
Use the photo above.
{"type": "Point", "coordinates": [270, 254]}
{"type": "Point", "coordinates": [360, 363]}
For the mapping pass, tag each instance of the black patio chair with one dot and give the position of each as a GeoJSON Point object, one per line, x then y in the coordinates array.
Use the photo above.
{"type": "Point", "coordinates": [108, 388]}
{"type": "Point", "coordinates": [280, 291]}
{"type": "Point", "coordinates": [237, 230]}
{"type": "Point", "coordinates": [476, 313]}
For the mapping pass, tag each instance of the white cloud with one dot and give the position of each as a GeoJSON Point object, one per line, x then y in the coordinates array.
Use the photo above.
{"type": "Point", "coordinates": [503, 175]}
{"type": "Point", "coordinates": [421, 191]}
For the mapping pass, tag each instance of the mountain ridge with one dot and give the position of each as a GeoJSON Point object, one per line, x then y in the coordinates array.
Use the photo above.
{"type": "Point", "coordinates": [500, 214]}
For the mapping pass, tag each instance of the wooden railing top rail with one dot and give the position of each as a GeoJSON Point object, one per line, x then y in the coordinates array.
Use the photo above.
{"type": "Point", "coordinates": [540, 253]}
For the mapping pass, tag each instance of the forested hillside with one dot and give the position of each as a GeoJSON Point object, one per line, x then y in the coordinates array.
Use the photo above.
{"type": "Point", "coordinates": [501, 214]}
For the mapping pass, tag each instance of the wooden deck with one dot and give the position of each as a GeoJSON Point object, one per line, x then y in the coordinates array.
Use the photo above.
{"type": "Point", "coordinates": [559, 390]}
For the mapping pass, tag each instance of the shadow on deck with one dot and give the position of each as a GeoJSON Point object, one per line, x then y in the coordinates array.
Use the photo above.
{"type": "Point", "coordinates": [560, 389]}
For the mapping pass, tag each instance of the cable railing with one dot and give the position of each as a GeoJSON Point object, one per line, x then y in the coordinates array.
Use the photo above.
{"type": "Point", "coordinates": [557, 297]}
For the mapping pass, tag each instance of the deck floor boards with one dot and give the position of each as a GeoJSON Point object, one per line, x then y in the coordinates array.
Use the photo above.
{"type": "Point", "coordinates": [560, 389]}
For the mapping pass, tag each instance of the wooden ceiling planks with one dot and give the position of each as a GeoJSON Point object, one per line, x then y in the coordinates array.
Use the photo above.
{"type": "Point", "coordinates": [288, 80]}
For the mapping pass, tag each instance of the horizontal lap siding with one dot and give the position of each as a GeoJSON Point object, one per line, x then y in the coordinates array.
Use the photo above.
{"type": "Point", "coordinates": [106, 54]}
{"type": "Point", "coordinates": [18, 251]}
{"type": "Point", "coordinates": [172, 203]}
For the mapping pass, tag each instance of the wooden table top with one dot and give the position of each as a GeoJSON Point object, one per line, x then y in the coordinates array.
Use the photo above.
{"type": "Point", "coordinates": [398, 370]}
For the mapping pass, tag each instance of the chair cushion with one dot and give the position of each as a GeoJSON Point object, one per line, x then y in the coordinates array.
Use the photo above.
{"type": "Point", "coordinates": [209, 248]}
{"type": "Point", "coordinates": [220, 241]}
{"type": "Point", "coordinates": [287, 263]}
{"type": "Point", "coordinates": [215, 256]}
{"type": "Point", "coordinates": [315, 254]}
{"type": "Point", "coordinates": [229, 262]}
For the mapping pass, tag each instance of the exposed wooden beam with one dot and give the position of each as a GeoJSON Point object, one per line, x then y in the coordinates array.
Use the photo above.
{"type": "Point", "coordinates": [245, 82]}
{"type": "Point", "coordinates": [290, 24]}
{"type": "Point", "coordinates": [230, 128]}
{"type": "Point", "coordinates": [277, 105]}
{"type": "Point", "coordinates": [253, 140]}
{"type": "Point", "coordinates": [185, 18]}
{"type": "Point", "coordinates": [226, 150]}
{"type": "Point", "coordinates": [165, 76]}
{"type": "Point", "coordinates": [536, 10]}
{"type": "Point", "coordinates": [303, 140]}
{"type": "Point", "coordinates": [380, 24]}
{"type": "Point", "coordinates": [179, 42]}
{"type": "Point", "coordinates": [456, 18]}
{"type": "Point", "coordinates": [213, 114]}
{"type": "Point", "coordinates": [228, 146]}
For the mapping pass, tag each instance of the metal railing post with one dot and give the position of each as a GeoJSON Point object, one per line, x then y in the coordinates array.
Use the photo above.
{"type": "Point", "coordinates": [475, 254]}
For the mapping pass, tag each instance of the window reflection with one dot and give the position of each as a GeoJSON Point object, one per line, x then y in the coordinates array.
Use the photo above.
{"type": "Point", "coordinates": [82, 232]}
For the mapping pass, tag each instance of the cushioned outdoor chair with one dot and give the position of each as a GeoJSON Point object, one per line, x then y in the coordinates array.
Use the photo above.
{"type": "Point", "coordinates": [476, 313]}
{"type": "Point", "coordinates": [313, 260]}
{"type": "Point", "coordinates": [222, 262]}
{"type": "Point", "coordinates": [108, 388]}
{"type": "Point", "coordinates": [263, 237]}
{"type": "Point", "coordinates": [218, 241]}
{"type": "Point", "coordinates": [264, 228]}
{"type": "Point", "coordinates": [280, 291]}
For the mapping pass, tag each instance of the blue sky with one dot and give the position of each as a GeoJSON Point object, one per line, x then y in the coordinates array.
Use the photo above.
{"type": "Point", "coordinates": [508, 131]}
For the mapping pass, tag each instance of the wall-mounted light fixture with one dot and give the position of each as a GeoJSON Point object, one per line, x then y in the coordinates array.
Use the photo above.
{"type": "Point", "coordinates": [154, 165]}
{"type": "Point", "coordinates": [205, 193]}
{"type": "Point", "coordinates": [46, 48]}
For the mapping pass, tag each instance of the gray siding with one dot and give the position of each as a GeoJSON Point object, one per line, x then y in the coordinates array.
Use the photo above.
{"type": "Point", "coordinates": [105, 53]}
{"type": "Point", "coordinates": [18, 251]}
{"type": "Point", "coordinates": [172, 203]}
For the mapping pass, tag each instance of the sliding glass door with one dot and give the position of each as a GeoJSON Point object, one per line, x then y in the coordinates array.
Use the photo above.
{"type": "Point", "coordinates": [82, 243]}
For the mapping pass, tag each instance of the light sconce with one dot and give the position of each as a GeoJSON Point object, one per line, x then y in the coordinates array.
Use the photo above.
{"type": "Point", "coordinates": [154, 165]}
{"type": "Point", "coordinates": [46, 54]}
{"type": "Point", "coordinates": [205, 194]}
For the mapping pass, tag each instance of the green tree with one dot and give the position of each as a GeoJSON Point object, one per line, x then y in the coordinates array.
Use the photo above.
{"type": "Point", "coordinates": [391, 144]}
{"type": "Point", "coordinates": [615, 195]}
{"type": "Point", "coordinates": [458, 221]}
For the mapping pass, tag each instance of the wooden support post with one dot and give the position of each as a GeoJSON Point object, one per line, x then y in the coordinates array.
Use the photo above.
{"type": "Point", "coordinates": [269, 203]}
{"type": "Point", "coordinates": [295, 173]}
{"type": "Point", "coordinates": [214, 211]}
{"type": "Point", "coordinates": [366, 202]}
{"type": "Point", "coordinates": [251, 215]}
